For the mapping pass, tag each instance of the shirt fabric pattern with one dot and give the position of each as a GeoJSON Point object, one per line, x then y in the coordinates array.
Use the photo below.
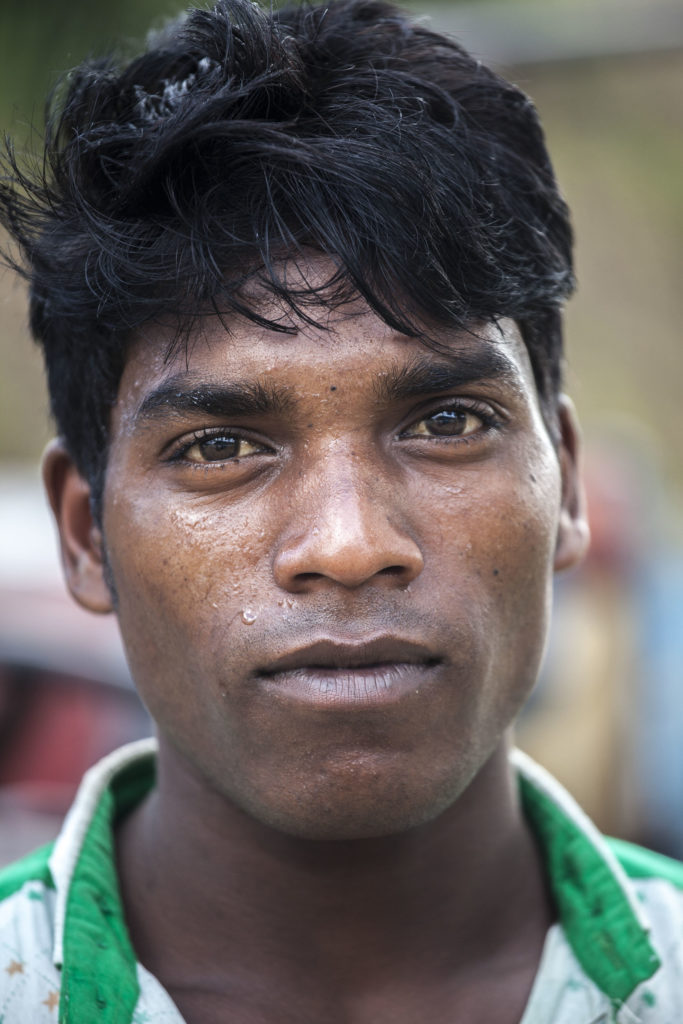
{"type": "Point", "coordinates": [615, 956]}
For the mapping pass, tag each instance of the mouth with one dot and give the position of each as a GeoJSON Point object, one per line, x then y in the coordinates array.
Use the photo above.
{"type": "Point", "coordinates": [373, 672]}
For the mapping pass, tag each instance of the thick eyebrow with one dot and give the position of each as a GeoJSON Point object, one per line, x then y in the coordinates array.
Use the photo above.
{"type": "Point", "coordinates": [425, 376]}
{"type": "Point", "coordinates": [182, 394]}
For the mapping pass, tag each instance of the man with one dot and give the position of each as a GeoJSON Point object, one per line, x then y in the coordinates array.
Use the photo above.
{"type": "Point", "coordinates": [298, 280]}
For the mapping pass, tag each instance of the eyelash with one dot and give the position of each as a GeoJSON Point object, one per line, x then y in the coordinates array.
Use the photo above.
{"type": "Point", "coordinates": [489, 421]}
{"type": "Point", "coordinates": [179, 453]}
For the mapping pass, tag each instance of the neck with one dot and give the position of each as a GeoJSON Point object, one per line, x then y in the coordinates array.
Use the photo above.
{"type": "Point", "coordinates": [469, 883]}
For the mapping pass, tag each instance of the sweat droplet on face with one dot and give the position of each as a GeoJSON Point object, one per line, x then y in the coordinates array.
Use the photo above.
{"type": "Point", "coordinates": [248, 617]}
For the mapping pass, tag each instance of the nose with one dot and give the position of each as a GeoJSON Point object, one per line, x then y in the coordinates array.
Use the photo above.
{"type": "Point", "coordinates": [346, 531]}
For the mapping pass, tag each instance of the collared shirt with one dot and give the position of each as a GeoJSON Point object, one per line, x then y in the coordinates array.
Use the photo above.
{"type": "Point", "coordinates": [615, 956]}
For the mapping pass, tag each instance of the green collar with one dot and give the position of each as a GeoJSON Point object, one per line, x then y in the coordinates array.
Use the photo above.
{"type": "Point", "coordinates": [600, 919]}
{"type": "Point", "coordinates": [99, 971]}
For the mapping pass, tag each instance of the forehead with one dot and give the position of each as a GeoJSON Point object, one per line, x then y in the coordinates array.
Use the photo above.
{"type": "Point", "coordinates": [352, 345]}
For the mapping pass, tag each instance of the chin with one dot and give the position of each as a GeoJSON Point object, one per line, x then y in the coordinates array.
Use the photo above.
{"type": "Point", "coordinates": [352, 807]}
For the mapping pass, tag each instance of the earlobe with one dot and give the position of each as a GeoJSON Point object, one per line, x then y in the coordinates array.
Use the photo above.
{"type": "Point", "coordinates": [80, 537]}
{"type": "Point", "coordinates": [573, 535]}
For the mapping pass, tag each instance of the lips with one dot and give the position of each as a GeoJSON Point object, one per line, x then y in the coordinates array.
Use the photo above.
{"type": "Point", "coordinates": [334, 654]}
{"type": "Point", "coordinates": [373, 671]}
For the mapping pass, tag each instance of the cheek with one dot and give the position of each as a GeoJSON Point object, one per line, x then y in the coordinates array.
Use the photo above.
{"type": "Point", "coordinates": [492, 552]}
{"type": "Point", "coordinates": [500, 524]}
{"type": "Point", "coordinates": [516, 564]}
{"type": "Point", "coordinates": [180, 544]}
{"type": "Point", "coordinates": [182, 571]}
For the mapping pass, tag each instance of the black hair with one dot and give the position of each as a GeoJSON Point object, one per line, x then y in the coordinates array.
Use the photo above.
{"type": "Point", "coordinates": [242, 136]}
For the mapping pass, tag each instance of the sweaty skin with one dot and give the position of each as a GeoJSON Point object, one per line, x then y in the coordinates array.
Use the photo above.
{"type": "Point", "coordinates": [332, 555]}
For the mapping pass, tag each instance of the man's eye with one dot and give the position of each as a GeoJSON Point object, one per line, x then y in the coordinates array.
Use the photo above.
{"type": "Point", "coordinates": [219, 448]}
{"type": "Point", "coordinates": [447, 423]}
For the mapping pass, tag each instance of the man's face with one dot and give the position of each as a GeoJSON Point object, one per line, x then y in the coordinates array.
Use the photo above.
{"type": "Point", "coordinates": [332, 553]}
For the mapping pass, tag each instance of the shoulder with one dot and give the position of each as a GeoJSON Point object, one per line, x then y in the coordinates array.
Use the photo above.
{"type": "Point", "coordinates": [34, 867]}
{"type": "Point", "coordinates": [658, 883]}
{"type": "Point", "coordinates": [63, 940]}
{"type": "Point", "coordinates": [29, 981]}
{"type": "Point", "coordinates": [639, 863]}
{"type": "Point", "coordinates": [620, 907]}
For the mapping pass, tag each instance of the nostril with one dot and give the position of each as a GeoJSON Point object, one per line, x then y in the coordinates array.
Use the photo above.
{"type": "Point", "coordinates": [308, 577]}
{"type": "Point", "coordinates": [392, 570]}
{"type": "Point", "coordinates": [351, 551]}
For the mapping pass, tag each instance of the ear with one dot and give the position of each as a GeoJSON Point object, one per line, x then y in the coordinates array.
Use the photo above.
{"type": "Point", "coordinates": [573, 535]}
{"type": "Point", "coordinates": [80, 537]}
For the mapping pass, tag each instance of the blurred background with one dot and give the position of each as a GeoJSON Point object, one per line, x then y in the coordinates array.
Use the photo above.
{"type": "Point", "coordinates": [607, 717]}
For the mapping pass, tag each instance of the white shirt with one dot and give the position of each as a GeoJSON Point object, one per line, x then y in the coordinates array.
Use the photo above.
{"type": "Point", "coordinates": [614, 957]}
